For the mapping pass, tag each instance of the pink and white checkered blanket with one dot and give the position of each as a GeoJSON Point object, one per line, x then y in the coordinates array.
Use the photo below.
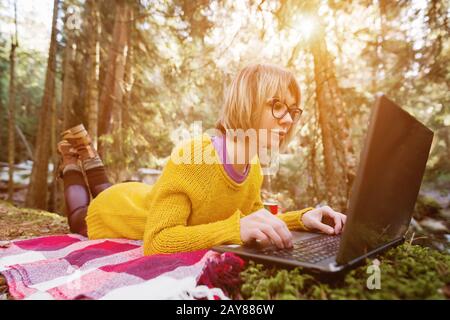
{"type": "Point", "coordinates": [72, 267]}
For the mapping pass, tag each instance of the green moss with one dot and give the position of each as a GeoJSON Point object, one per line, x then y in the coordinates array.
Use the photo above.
{"type": "Point", "coordinates": [407, 272]}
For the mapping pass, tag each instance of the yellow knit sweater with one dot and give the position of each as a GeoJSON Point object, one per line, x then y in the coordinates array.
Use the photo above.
{"type": "Point", "coordinates": [190, 207]}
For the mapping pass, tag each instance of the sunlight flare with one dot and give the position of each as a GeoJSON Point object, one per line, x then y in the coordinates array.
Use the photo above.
{"type": "Point", "coordinates": [306, 25]}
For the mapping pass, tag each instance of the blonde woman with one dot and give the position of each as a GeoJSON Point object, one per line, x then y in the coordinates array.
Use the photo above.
{"type": "Point", "coordinates": [198, 204]}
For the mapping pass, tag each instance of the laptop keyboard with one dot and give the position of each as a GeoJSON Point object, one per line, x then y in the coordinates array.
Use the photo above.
{"type": "Point", "coordinates": [311, 250]}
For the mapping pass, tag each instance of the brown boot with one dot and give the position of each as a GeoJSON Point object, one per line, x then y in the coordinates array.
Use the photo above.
{"type": "Point", "coordinates": [69, 156]}
{"type": "Point", "coordinates": [79, 138]}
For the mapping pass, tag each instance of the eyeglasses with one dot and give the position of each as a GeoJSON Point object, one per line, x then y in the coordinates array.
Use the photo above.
{"type": "Point", "coordinates": [280, 109]}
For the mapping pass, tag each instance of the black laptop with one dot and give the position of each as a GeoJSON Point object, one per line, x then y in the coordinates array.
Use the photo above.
{"type": "Point", "coordinates": [382, 200]}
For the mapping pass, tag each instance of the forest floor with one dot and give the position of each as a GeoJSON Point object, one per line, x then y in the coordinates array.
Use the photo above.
{"type": "Point", "coordinates": [418, 269]}
{"type": "Point", "coordinates": [21, 223]}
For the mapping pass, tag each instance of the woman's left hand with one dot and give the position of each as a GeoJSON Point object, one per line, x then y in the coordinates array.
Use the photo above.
{"type": "Point", "coordinates": [313, 220]}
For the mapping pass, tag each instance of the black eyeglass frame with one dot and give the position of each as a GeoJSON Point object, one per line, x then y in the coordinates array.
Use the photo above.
{"type": "Point", "coordinates": [289, 110]}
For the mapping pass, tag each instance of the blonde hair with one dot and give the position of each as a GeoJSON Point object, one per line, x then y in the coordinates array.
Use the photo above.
{"type": "Point", "coordinates": [248, 93]}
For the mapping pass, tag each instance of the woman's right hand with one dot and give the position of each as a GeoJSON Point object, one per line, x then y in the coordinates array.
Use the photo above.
{"type": "Point", "coordinates": [265, 228]}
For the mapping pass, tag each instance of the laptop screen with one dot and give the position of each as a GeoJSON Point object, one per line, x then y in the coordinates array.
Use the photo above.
{"type": "Point", "coordinates": [389, 176]}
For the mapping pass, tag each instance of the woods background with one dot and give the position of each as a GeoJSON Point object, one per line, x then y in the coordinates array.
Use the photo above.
{"type": "Point", "coordinates": [135, 73]}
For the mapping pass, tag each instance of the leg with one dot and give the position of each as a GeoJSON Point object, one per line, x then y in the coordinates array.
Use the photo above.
{"type": "Point", "coordinates": [77, 198]}
{"type": "Point", "coordinates": [96, 175]}
{"type": "Point", "coordinates": [92, 164]}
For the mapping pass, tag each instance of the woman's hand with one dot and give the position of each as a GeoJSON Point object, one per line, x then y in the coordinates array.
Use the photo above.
{"type": "Point", "coordinates": [313, 220]}
{"type": "Point", "coordinates": [264, 227]}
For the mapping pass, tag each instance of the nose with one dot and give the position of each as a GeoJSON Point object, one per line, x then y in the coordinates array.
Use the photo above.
{"type": "Point", "coordinates": [286, 120]}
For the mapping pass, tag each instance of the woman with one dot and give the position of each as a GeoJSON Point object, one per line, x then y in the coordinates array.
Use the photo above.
{"type": "Point", "coordinates": [198, 204]}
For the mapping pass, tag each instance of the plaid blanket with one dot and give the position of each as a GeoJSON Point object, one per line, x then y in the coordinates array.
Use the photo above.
{"type": "Point", "coordinates": [72, 267]}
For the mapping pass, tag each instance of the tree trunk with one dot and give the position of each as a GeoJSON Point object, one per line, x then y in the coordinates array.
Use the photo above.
{"type": "Point", "coordinates": [343, 141]}
{"type": "Point", "coordinates": [11, 121]}
{"type": "Point", "coordinates": [325, 117]}
{"type": "Point", "coordinates": [93, 63]}
{"type": "Point", "coordinates": [124, 129]}
{"type": "Point", "coordinates": [129, 75]}
{"type": "Point", "coordinates": [37, 192]}
{"type": "Point", "coordinates": [332, 122]}
{"type": "Point", "coordinates": [112, 89]}
{"type": "Point", "coordinates": [379, 67]}
{"type": "Point", "coordinates": [55, 198]}
{"type": "Point", "coordinates": [25, 142]}
{"type": "Point", "coordinates": [12, 109]}
{"type": "Point", "coordinates": [68, 80]}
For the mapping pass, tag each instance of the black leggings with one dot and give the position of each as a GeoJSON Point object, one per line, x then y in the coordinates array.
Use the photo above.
{"type": "Point", "coordinates": [77, 197]}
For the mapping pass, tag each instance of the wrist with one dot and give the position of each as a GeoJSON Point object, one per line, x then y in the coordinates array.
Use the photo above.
{"type": "Point", "coordinates": [301, 220]}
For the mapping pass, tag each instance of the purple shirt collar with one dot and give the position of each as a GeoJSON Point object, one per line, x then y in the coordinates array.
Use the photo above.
{"type": "Point", "coordinates": [219, 143]}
